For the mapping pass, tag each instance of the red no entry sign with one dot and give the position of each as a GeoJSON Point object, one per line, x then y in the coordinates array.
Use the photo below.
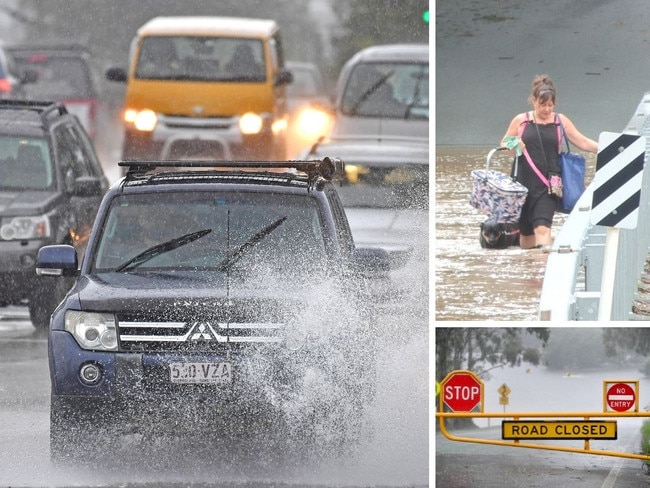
{"type": "Point", "coordinates": [462, 391]}
{"type": "Point", "coordinates": [621, 397]}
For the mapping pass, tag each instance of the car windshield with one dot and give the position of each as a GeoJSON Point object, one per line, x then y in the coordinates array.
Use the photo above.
{"type": "Point", "coordinates": [25, 164]}
{"type": "Point", "coordinates": [201, 59]}
{"type": "Point", "coordinates": [388, 90]}
{"type": "Point", "coordinates": [59, 77]}
{"type": "Point", "coordinates": [306, 83]}
{"type": "Point", "coordinates": [221, 232]}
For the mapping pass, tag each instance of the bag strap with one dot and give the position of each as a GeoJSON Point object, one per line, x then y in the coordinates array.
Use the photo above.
{"type": "Point", "coordinates": [561, 134]}
{"type": "Point", "coordinates": [527, 156]}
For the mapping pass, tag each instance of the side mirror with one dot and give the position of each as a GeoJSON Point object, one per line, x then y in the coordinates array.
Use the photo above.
{"type": "Point", "coordinates": [29, 76]}
{"type": "Point", "coordinates": [57, 260]}
{"type": "Point", "coordinates": [284, 77]}
{"type": "Point", "coordinates": [116, 74]}
{"type": "Point", "coordinates": [87, 186]}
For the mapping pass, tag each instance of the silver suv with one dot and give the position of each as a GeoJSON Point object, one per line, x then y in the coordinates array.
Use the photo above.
{"type": "Point", "coordinates": [384, 91]}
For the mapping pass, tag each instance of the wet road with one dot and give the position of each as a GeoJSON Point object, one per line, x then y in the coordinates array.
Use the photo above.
{"type": "Point", "coordinates": [472, 283]}
{"type": "Point", "coordinates": [394, 450]}
{"type": "Point", "coordinates": [468, 465]}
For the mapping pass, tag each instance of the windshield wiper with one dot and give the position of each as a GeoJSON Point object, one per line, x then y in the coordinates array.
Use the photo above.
{"type": "Point", "coordinates": [373, 88]}
{"type": "Point", "coordinates": [238, 253]}
{"type": "Point", "coordinates": [161, 248]}
{"type": "Point", "coordinates": [416, 93]}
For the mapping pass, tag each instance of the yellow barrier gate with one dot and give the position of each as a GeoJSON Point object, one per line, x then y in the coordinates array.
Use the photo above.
{"type": "Point", "coordinates": [462, 392]}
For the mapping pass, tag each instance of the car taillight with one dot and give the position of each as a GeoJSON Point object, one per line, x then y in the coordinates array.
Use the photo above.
{"type": "Point", "coordinates": [37, 58]}
{"type": "Point", "coordinates": [5, 85]}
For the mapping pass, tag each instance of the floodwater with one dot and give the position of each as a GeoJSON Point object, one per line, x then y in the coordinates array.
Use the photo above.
{"type": "Point", "coordinates": [539, 389]}
{"type": "Point", "coordinates": [472, 283]}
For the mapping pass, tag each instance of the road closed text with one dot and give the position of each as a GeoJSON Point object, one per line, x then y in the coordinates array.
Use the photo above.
{"type": "Point", "coordinates": [555, 429]}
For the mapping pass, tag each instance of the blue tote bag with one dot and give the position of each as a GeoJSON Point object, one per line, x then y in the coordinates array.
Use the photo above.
{"type": "Point", "coordinates": [572, 169]}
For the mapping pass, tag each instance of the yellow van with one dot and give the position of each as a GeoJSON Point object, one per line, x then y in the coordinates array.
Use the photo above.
{"type": "Point", "coordinates": [208, 87]}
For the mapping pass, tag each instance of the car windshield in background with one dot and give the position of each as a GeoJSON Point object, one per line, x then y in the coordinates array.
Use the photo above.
{"type": "Point", "coordinates": [59, 77]}
{"type": "Point", "coordinates": [25, 164]}
{"type": "Point", "coordinates": [241, 232]}
{"type": "Point", "coordinates": [388, 173]}
{"type": "Point", "coordinates": [390, 90]}
{"type": "Point", "coordinates": [402, 186]}
{"type": "Point", "coordinates": [201, 59]}
{"type": "Point", "coordinates": [305, 83]}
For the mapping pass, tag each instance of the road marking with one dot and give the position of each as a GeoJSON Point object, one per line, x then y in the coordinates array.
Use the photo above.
{"type": "Point", "coordinates": [613, 473]}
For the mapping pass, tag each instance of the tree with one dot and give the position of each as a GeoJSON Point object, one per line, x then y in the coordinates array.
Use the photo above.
{"type": "Point", "coordinates": [481, 349]}
{"type": "Point", "coordinates": [370, 22]}
{"type": "Point", "coordinates": [628, 340]}
{"type": "Point", "coordinates": [574, 348]}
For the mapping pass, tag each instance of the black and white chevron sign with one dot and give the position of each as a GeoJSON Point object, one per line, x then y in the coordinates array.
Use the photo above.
{"type": "Point", "coordinates": [617, 182]}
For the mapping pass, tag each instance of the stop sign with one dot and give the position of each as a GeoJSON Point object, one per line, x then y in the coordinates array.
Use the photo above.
{"type": "Point", "coordinates": [462, 391]}
{"type": "Point", "coordinates": [621, 397]}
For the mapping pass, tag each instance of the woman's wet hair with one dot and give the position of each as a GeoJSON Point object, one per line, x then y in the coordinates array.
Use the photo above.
{"type": "Point", "coordinates": [543, 89]}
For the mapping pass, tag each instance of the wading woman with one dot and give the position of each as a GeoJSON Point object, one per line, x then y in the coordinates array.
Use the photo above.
{"type": "Point", "coordinates": [538, 131]}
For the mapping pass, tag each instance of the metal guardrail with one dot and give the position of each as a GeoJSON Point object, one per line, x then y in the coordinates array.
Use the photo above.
{"type": "Point", "coordinates": [572, 280]}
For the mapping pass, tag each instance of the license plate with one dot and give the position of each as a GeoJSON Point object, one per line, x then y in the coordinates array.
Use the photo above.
{"type": "Point", "coordinates": [201, 373]}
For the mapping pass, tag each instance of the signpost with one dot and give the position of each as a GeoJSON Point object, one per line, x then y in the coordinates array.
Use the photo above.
{"type": "Point", "coordinates": [620, 396]}
{"type": "Point", "coordinates": [615, 201]}
{"type": "Point", "coordinates": [462, 391]}
{"type": "Point", "coordinates": [504, 391]}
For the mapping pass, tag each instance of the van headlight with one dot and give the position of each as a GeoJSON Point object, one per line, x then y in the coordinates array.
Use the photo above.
{"type": "Point", "coordinates": [94, 331]}
{"type": "Point", "coordinates": [312, 123]}
{"type": "Point", "coordinates": [18, 228]}
{"type": "Point", "coordinates": [250, 123]}
{"type": "Point", "coordinates": [143, 120]}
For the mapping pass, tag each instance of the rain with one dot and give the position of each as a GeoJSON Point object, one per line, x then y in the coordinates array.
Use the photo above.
{"type": "Point", "coordinates": [335, 427]}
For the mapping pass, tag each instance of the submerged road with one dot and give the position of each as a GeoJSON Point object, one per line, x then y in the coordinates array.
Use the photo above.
{"type": "Point", "coordinates": [468, 465]}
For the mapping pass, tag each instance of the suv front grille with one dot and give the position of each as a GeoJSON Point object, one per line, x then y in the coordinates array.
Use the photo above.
{"type": "Point", "coordinates": [194, 335]}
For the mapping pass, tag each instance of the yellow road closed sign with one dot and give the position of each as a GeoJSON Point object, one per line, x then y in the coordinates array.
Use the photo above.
{"type": "Point", "coordinates": [558, 429]}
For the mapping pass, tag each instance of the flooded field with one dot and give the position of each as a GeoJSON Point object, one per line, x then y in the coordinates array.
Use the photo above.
{"type": "Point", "coordinates": [472, 283]}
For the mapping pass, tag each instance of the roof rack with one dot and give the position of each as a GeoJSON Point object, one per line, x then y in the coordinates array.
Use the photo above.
{"type": "Point", "coordinates": [326, 168]}
{"type": "Point", "coordinates": [51, 47]}
{"type": "Point", "coordinates": [44, 109]}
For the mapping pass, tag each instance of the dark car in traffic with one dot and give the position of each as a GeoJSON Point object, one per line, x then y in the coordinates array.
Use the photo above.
{"type": "Point", "coordinates": [210, 295]}
{"type": "Point", "coordinates": [63, 73]}
{"type": "Point", "coordinates": [51, 184]}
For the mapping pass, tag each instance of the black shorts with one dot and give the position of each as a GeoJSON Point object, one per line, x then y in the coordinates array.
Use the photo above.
{"type": "Point", "coordinates": [537, 211]}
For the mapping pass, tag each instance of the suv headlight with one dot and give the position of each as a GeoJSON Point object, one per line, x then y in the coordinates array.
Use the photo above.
{"type": "Point", "coordinates": [18, 228]}
{"type": "Point", "coordinates": [92, 330]}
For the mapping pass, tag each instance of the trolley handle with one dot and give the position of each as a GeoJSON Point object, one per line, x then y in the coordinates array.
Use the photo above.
{"type": "Point", "coordinates": [492, 153]}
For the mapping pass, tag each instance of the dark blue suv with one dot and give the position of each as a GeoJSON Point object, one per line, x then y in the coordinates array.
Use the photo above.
{"type": "Point", "coordinates": [206, 294]}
